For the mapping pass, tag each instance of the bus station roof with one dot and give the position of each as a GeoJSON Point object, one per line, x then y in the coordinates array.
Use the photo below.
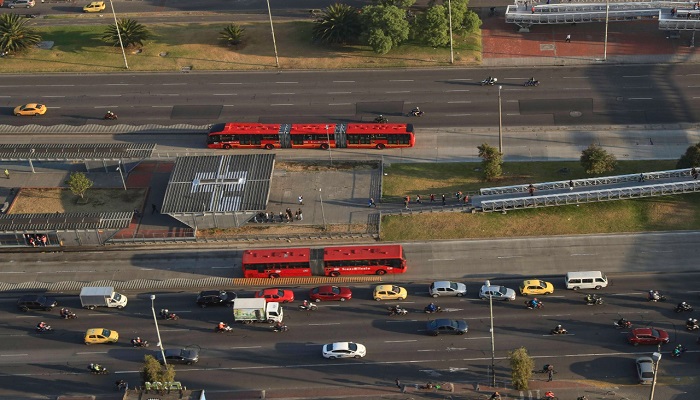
{"type": "Point", "coordinates": [219, 184]}
{"type": "Point", "coordinates": [75, 151]}
{"type": "Point", "coordinates": [64, 222]}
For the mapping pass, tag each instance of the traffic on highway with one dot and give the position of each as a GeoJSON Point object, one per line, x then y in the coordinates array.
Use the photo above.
{"type": "Point", "coordinates": [443, 335]}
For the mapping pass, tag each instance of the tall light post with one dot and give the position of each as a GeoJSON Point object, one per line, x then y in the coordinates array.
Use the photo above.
{"type": "Point", "coordinates": [500, 122]}
{"type": "Point", "coordinates": [657, 359]}
{"type": "Point", "coordinates": [493, 344]}
{"type": "Point", "coordinates": [119, 35]}
{"type": "Point", "coordinates": [605, 46]}
{"type": "Point", "coordinates": [160, 342]}
{"type": "Point", "coordinates": [320, 196]}
{"type": "Point", "coordinates": [449, 11]}
{"type": "Point", "coordinates": [119, 168]}
{"type": "Point", "coordinates": [328, 139]}
{"type": "Point", "coordinates": [272, 29]}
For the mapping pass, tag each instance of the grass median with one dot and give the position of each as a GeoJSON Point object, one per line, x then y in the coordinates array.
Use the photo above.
{"type": "Point", "coordinates": [641, 215]}
{"type": "Point", "coordinates": [197, 46]}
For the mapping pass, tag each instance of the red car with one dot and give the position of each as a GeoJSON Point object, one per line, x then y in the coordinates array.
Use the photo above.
{"type": "Point", "coordinates": [276, 295]}
{"type": "Point", "coordinates": [647, 336]}
{"type": "Point", "coordinates": [328, 293]}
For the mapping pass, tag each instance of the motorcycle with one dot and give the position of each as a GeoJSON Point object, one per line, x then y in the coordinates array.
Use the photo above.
{"type": "Point", "coordinates": [530, 305]}
{"type": "Point", "coordinates": [46, 329]}
{"type": "Point", "coordinates": [489, 81]}
{"type": "Point", "coordinates": [692, 327]}
{"type": "Point", "coordinates": [429, 311]}
{"type": "Point", "coordinates": [531, 82]}
{"type": "Point", "coordinates": [397, 311]}
{"type": "Point", "coordinates": [381, 120]}
{"type": "Point", "coordinates": [415, 113]}
{"type": "Point", "coordinates": [593, 300]}
{"type": "Point", "coordinates": [168, 315]}
{"type": "Point", "coordinates": [622, 325]}
{"type": "Point", "coordinates": [97, 369]}
{"type": "Point", "coordinates": [143, 343]}
{"type": "Point", "coordinates": [678, 350]}
{"type": "Point", "coordinates": [280, 328]}
{"type": "Point", "coordinates": [559, 332]}
{"type": "Point", "coordinates": [308, 307]}
{"type": "Point", "coordinates": [226, 329]}
{"type": "Point", "coordinates": [683, 307]}
{"type": "Point", "coordinates": [65, 314]}
{"type": "Point", "coordinates": [656, 296]}
{"type": "Point", "coordinates": [110, 116]}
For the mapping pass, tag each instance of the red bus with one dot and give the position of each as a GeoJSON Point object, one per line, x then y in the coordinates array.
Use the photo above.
{"type": "Point", "coordinates": [275, 263]}
{"type": "Point", "coordinates": [364, 260]}
{"type": "Point", "coordinates": [309, 136]}
{"type": "Point", "coordinates": [331, 261]}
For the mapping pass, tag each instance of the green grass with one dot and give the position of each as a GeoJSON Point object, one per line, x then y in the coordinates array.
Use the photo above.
{"type": "Point", "coordinates": [80, 49]}
{"type": "Point", "coordinates": [643, 215]}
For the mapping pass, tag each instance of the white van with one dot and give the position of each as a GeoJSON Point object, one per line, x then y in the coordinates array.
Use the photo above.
{"type": "Point", "coordinates": [586, 280]}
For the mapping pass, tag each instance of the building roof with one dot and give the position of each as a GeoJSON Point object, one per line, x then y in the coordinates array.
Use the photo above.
{"type": "Point", "coordinates": [76, 151]}
{"type": "Point", "coordinates": [63, 222]}
{"type": "Point", "coordinates": [220, 184]}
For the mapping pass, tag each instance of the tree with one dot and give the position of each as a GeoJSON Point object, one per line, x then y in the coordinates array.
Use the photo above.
{"type": "Point", "coordinates": [384, 27]}
{"type": "Point", "coordinates": [15, 36]}
{"type": "Point", "coordinates": [471, 21]}
{"type": "Point", "coordinates": [433, 27]}
{"type": "Point", "coordinates": [79, 184]}
{"type": "Point", "coordinates": [340, 23]}
{"type": "Point", "coordinates": [154, 372]}
{"type": "Point", "coordinates": [232, 34]}
{"type": "Point", "coordinates": [595, 160]}
{"type": "Point", "coordinates": [691, 158]}
{"type": "Point", "coordinates": [132, 33]}
{"type": "Point", "coordinates": [458, 8]}
{"type": "Point", "coordinates": [491, 161]}
{"type": "Point", "coordinates": [521, 367]}
{"type": "Point", "coordinates": [397, 3]}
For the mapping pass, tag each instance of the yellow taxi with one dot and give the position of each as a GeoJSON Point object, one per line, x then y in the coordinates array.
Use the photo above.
{"type": "Point", "coordinates": [389, 292]}
{"type": "Point", "coordinates": [101, 335]}
{"type": "Point", "coordinates": [95, 6]}
{"type": "Point", "coordinates": [536, 287]}
{"type": "Point", "coordinates": [30, 109]}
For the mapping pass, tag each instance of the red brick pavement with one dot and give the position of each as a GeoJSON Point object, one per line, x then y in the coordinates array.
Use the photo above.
{"type": "Point", "coordinates": [501, 40]}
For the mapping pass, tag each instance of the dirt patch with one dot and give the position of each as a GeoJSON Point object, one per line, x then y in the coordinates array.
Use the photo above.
{"type": "Point", "coordinates": [322, 166]}
{"type": "Point", "coordinates": [53, 200]}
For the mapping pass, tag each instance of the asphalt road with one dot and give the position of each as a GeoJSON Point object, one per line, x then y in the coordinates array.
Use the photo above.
{"type": "Point", "coordinates": [592, 95]}
{"type": "Point", "coordinates": [254, 358]}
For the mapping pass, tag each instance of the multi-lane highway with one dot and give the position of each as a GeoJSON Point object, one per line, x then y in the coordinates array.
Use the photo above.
{"type": "Point", "coordinates": [254, 358]}
{"type": "Point", "coordinates": [643, 94]}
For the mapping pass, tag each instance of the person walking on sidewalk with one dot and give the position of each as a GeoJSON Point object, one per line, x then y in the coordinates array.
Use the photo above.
{"type": "Point", "coordinates": [301, 200]}
{"type": "Point", "coordinates": [371, 203]}
{"type": "Point", "coordinates": [154, 208]}
{"type": "Point", "coordinates": [550, 372]}
{"type": "Point", "coordinates": [568, 38]}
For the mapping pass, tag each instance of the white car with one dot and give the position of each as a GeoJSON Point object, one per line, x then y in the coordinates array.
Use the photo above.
{"type": "Point", "coordinates": [496, 292]}
{"type": "Point", "coordinates": [447, 288]}
{"type": "Point", "coordinates": [344, 350]}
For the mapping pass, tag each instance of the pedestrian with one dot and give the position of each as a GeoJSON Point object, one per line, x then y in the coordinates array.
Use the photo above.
{"type": "Point", "coordinates": [301, 200]}
{"type": "Point", "coordinates": [693, 173]}
{"type": "Point", "coordinates": [443, 199]}
{"type": "Point", "coordinates": [398, 383]}
{"type": "Point", "coordinates": [7, 173]}
{"type": "Point", "coordinates": [641, 177]}
{"type": "Point", "coordinates": [418, 199]}
{"type": "Point", "coordinates": [550, 374]}
{"type": "Point", "coordinates": [533, 9]}
{"type": "Point", "coordinates": [296, 215]}
{"type": "Point", "coordinates": [673, 11]}
{"type": "Point", "coordinates": [531, 189]}
{"type": "Point", "coordinates": [372, 203]}
{"type": "Point", "coordinates": [281, 217]}
{"type": "Point", "coordinates": [432, 198]}
{"type": "Point", "coordinates": [405, 202]}
{"type": "Point", "coordinates": [568, 38]}
{"type": "Point", "coordinates": [301, 216]}
{"type": "Point", "coordinates": [289, 214]}
{"type": "Point", "coordinates": [154, 208]}
{"type": "Point", "coordinates": [466, 199]}
{"type": "Point", "coordinates": [571, 185]}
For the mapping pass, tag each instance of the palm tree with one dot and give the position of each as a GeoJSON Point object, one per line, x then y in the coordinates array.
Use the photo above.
{"type": "Point", "coordinates": [232, 34]}
{"type": "Point", "coordinates": [340, 23]}
{"type": "Point", "coordinates": [15, 36]}
{"type": "Point", "coordinates": [132, 33]}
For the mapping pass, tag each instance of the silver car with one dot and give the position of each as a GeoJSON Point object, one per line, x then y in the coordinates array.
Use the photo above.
{"type": "Point", "coordinates": [496, 292]}
{"type": "Point", "coordinates": [645, 370]}
{"type": "Point", "coordinates": [447, 288]}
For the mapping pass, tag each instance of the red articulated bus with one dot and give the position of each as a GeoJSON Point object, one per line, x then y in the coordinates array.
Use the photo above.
{"type": "Point", "coordinates": [310, 136]}
{"type": "Point", "coordinates": [364, 260]}
{"type": "Point", "coordinates": [332, 261]}
{"type": "Point", "coordinates": [275, 263]}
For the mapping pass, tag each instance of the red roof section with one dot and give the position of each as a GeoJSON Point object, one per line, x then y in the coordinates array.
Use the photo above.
{"type": "Point", "coordinates": [362, 252]}
{"type": "Point", "coordinates": [243, 128]}
{"type": "Point", "coordinates": [264, 256]}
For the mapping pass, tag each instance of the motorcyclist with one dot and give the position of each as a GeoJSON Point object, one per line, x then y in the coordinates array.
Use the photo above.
{"type": "Point", "coordinates": [110, 115]}
{"type": "Point", "coordinates": [683, 305]}
{"type": "Point", "coordinates": [64, 312]}
{"type": "Point", "coordinates": [692, 323]}
{"type": "Point", "coordinates": [532, 79]}
{"type": "Point", "coordinates": [549, 394]}
{"type": "Point", "coordinates": [678, 350]}
{"type": "Point", "coordinates": [559, 329]}
{"type": "Point", "coordinates": [534, 303]}
{"type": "Point", "coordinates": [137, 341]}
{"type": "Point", "coordinates": [622, 322]}
{"type": "Point", "coordinates": [489, 79]}
{"type": "Point", "coordinates": [221, 326]}
{"type": "Point", "coordinates": [416, 111]}
{"type": "Point", "coordinates": [96, 367]}
{"type": "Point", "coordinates": [495, 396]}
{"type": "Point", "coordinates": [654, 295]}
{"type": "Point", "coordinates": [431, 308]}
{"type": "Point", "coordinates": [590, 298]}
{"type": "Point", "coordinates": [279, 326]}
{"type": "Point", "coordinates": [42, 326]}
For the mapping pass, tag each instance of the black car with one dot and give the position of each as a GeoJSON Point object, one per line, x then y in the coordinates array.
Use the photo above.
{"type": "Point", "coordinates": [36, 302]}
{"type": "Point", "coordinates": [438, 326]}
{"type": "Point", "coordinates": [215, 298]}
{"type": "Point", "coordinates": [179, 356]}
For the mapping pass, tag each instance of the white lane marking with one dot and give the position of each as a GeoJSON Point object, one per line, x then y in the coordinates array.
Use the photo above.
{"type": "Point", "coordinates": [400, 341]}
{"type": "Point", "coordinates": [165, 94]}
{"type": "Point", "coordinates": [457, 90]}
{"type": "Point", "coordinates": [625, 294]}
{"type": "Point", "coordinates": [285, 83]}
{"type": "Point", "coordinates": [51, 96]}
{"type": "Point", "coordinates": [459, 102]}
{"type": "Point", "coordinates": [102, 314]}
{"type": "Point", "coordinates": [281, 104]}
{"type": "Point", "coordinates": [91, 352]}
{"type": "Point", "coordinates": [398, 91]}
{"type": "Point", "coordinates": [161, 106]}
{"type": "Point", "coordinates": [403, 320]}
{"type": "Point", "coordinates": [224, 94]}
{"type": "Point", "coordinates": [118, 84]}
{"type": "Point", "coordinates": [220, 267]}
{"type": "Point", "coordinates": [338, 92]}
{"type": "Point", "coordinates": [109, 95]}
{"type": "Point", "coordinates": [328, 323]}
{"type": "Point", "coordinates": [583, 254]}
{"type": "Point", "coordinates": [245, 347]}
{"type": "Point", "coordinates": [478, 337]}
{"type": "Point", "coordinates": [441, 259]}
{"type": "Point", "coordinates": [282, 93]}
{"type": "Point", "coordinates": [229, 83]}
{"type": "Point", "coordinates": [575, 77]}
{"type": "Point", "coordinates": [13, 355]}
{"type": "Point", "coordinates": [457, 115]}
{"type": "Point", "coordinates": [658, 251]}
{"type": "Point", "coordinates": [343, 81]}
{"type": "Point", "coordinates": [635, 76]}
{"type": "Point", "coordinates": [568, 334]}
{"type": "Point", "coordinates": [400, 80]}
{"type": "Point", "coordinates": [506, 257]}
{"type": "Point", "coordinates": [12, 272]}
{"type": "Point", "coordinates": [555, 315]}
{"type": "Point", "coordinates": [339, 104]}
{"type": "Point", "coordinates": [173, 84]}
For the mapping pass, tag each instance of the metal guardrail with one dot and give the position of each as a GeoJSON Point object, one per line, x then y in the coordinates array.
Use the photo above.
{"type": "Point", "coordinates": [591, 13]}
{"type": "Point", "coordinates": [604, 180]}
{"type": "Point", "coordinates": [560, 199]}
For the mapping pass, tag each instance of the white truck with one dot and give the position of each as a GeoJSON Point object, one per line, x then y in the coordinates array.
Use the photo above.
{"type": "Point", "coordinates": [102, 296]}
{"type": "Point", "coordinates": [256, 310]}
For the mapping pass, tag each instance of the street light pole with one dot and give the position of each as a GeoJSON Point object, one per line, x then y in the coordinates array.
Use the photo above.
{"type": "Point", "coordinates": [657, 360]}
{"type": "Point", "coordinates": [605, 46]}
{"type": "Point", "coordinates": [449, 11]}
{"type": "Point", "coordinates": [500, 122]}
{"type": "Point", "coordinates": [272, 29]}
{"type": "Point", "coordinates": [320, 196]}
{"type": "Point", "coordinates": [119, 35]}
{"type": "Point", "coordinates": [493, 344]}
{"type": "Point", "coordinates": [122, 175]}
{"type": "Point", "coordinates": [328, 139]}
{"type": "Point", "coordinates": [160, 342]}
